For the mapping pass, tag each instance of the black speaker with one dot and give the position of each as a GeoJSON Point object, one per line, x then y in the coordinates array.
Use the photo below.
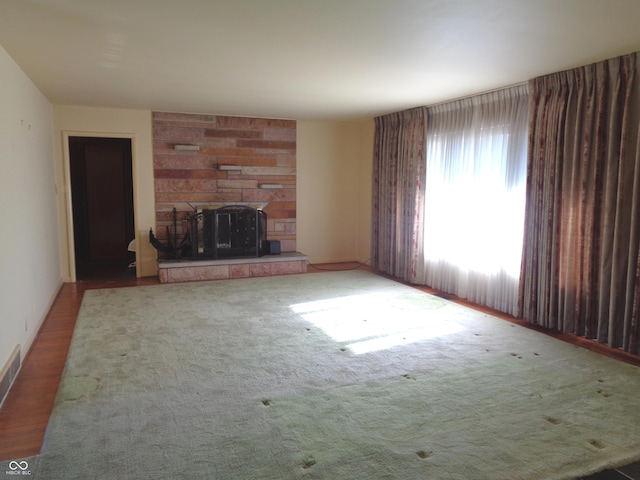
{"type": "Point", "coordinates": [273, 247]}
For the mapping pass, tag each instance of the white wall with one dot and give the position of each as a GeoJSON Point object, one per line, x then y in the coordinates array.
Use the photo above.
{"type": "Point", "coordinates": [29, 260]}
{"type": "Point", "coordinates": [101, 122]}
{"type": "Point", "coordinates": [334, 165]}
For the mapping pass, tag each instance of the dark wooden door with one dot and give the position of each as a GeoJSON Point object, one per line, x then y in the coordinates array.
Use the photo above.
{"type": "Point", "coordinates": [102, 199]}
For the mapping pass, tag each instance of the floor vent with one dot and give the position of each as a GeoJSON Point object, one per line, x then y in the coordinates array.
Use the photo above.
{"type": "Point", "coordinates": [445, 296]}
{"type": "Point", "coordinates": [9, 372]}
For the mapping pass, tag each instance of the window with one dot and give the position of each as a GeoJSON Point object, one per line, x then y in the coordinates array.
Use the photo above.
{"type": "Point", "coordinates": [475, 197]}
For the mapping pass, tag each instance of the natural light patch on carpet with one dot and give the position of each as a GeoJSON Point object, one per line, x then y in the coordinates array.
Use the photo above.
{"type": "Point", "coordinates": [379, 321]}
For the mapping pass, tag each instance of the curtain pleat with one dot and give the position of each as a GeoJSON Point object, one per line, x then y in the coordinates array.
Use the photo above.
{"type": "Point", "coordinates": [398, 192]}
{"type": "Point", "coordinates": [580, 263]}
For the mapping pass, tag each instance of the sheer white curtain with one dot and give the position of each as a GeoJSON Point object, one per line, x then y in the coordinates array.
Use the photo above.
{"type": "Point", "coordinates": [476, 165]}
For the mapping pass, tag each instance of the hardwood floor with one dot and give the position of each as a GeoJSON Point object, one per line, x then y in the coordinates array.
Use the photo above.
{"type": "Point", "coordinates": [25, 412]}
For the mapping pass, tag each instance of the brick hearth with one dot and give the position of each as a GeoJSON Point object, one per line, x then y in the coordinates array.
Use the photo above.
{"type": "Point", "coordinates": [173, 271]}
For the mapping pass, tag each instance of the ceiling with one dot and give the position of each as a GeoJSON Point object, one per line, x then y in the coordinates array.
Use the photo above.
{"type": "Point", "coordinates": [302, 59]}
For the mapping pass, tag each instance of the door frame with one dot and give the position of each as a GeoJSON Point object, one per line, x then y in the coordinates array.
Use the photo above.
{"type": "Point", "coordinates": [71, 255]}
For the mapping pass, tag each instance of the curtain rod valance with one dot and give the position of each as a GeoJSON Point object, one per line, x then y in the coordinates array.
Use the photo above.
{"type": "Point", "coordinates": [514, 90]}
{"type": "Point", "coordinates": [408, 113]}
{"type": "Point", "coordinates": [612, 68]}
{"type": "Point", "coordinates": [481, 99]}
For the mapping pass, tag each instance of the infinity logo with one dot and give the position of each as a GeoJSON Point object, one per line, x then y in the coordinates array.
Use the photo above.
{"type": "Point", "coordinates": [13, 465]}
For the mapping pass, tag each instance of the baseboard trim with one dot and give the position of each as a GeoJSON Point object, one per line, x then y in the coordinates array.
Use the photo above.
{"type": "Point", "coordinates": [9, 372]}
{"type": "Point", "coordinates": [12, 366]}
{"type": "Point", "coordinates": [33, 334]}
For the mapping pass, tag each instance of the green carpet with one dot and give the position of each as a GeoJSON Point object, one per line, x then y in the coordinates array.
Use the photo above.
{"type": "Point", "coordinates": [331, 376]}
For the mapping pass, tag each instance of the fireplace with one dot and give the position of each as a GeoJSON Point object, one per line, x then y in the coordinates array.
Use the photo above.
{"type": "Point", "coordinates": [222, 243]}
{"type": "Point", "coordinates": [229, 232]}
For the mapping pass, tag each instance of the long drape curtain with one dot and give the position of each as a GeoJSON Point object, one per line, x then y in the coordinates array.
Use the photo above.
{"type": "Point", "coordinates": [580, 267]}
{"type": "Point", "coordinates": [475, 193]}
{"type": "Point", "coordinates": [398, 192]}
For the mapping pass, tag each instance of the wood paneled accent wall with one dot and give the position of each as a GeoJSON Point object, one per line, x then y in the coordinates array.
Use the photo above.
{"type": "Point", "coordinates": [265, 149]}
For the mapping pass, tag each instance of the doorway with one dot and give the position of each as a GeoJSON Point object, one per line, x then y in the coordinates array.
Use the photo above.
{"type": "Point", "coordinates": [102, 205]}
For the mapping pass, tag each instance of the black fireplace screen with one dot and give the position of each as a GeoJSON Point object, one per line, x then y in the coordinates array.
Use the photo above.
{"type": "Point", "coordinates": [227, 232]}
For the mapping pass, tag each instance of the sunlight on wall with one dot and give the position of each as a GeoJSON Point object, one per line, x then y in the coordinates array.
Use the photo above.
{"type": "Point", "coordinates": [373, 322]}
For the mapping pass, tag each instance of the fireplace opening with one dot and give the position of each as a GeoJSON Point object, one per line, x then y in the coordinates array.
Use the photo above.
{"type": "Point", "coordinates": [234, 231]}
